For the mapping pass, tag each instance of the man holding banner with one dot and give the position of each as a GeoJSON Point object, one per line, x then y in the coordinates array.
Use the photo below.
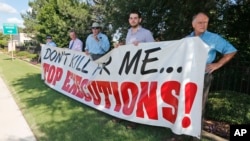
{"type": "Point", "coordinates": [216, 44]}
{"type": "Point", "coordinates": [97, 43]}
{"type": "Point", "coordinates": [75, 43]}
{"type": "Point", "coordinates": [137, 33]}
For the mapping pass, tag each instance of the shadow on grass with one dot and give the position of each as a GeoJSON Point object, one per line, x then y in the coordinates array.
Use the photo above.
{"type": "Point", "coordinates": [55, 117]}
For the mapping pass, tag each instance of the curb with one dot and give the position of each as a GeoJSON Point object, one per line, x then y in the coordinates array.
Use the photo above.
{"type": "Point", "coordinates": [211, 136]}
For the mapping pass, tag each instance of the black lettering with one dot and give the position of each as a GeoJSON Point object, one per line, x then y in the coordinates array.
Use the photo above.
{"type": "Point", "coordinates": [47, 54]}
{"type": "Point", "coordinates": [106, 64]}
{"type": "Point", "coordinates": [72, 63]}
{"type": "Point", "coordinates": [84, 66]}
{"type": "Point", "coordinates": [66, 54]}
{"type": "Point", "coordinates": [129, 65]}
{"type": "Point", "coordinates": [79, 62]}
{"type": "Point", "coordinates": [54, 54]}
{"type": "Point", "coordinates": [148, 60]}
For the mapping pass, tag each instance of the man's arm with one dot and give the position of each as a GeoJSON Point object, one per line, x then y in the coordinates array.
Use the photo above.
{"type": "Point", "coordinates": [79, 45]}
{"type": "Point", "coordinates": [215, 66]}
{"type": "Point", "coordinates": [149, 37]}
{"type": "Point", "coordinates": [104, 43]}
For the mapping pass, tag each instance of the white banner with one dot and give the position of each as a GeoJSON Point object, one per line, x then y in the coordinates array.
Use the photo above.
{"type": "Point", "coordinates": [158, 83]}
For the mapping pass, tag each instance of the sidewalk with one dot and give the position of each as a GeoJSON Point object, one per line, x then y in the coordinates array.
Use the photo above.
{"type": "Point", "coordinates": [13, 126]}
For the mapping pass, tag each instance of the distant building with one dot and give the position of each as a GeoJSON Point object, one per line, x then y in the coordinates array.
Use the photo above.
{"type": "Point", "coordinates": [21, 38]}
{"type": "Point", "coordinates": [18, 40]}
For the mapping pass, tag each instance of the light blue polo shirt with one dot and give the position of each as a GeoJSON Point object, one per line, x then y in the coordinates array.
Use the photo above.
{"type": "Point", "coordinates": [53, 44]}
{"type": "Point", "coordinates": [216, 44]}
{"type": "Point", "coordinates": [97, 47]}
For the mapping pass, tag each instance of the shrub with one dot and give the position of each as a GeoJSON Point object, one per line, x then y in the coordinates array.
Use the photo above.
{"type": "Point", "coordinates": [230, 107]}
{"type": "Point", "coordinates": [25, 54]}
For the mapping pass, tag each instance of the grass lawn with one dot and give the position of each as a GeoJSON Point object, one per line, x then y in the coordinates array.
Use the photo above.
{"type": "Point", "coordinates": [55, 117]}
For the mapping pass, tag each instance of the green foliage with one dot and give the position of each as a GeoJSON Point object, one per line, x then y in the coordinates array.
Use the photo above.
{"type": "Point", "coordinates": [169, 20]}
{"type": "Point", "coordinates": [56, 18]}
{"type": "Point", "coordinates": [236, 24]}
{"type": "Point", "coordinates": [4, 40]}
{"type": "Point", "coordinates": [230, 107]}
{"type": "Point", "coordinates": [25, 54]}
{"type": "Point", "coordinates": [55, 117]}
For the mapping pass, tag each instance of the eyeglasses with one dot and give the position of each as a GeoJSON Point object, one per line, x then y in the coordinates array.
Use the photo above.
{"type": "Point", "coordinates": [95, 27]}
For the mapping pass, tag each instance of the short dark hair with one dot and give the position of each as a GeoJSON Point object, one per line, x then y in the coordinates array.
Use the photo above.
{"type": "Point", "coordinates": [135, 12]}
{"type": "Point", "coordinates": [72, 30]}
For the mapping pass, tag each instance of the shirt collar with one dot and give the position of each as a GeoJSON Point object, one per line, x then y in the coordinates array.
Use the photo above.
{"type": "Point", "coordinates": [192, 34]}
{"type": "Point", "coordinates": [138, 29]}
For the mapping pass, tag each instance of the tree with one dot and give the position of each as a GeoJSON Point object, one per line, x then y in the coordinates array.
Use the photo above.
{"type": "Point", "coordinates": [168, 19]}
{"type": "Point", "coordinates": [236, 24]}
{"type": "Point", "coordinates": [4, 40]}
{"type": "Point", "coordinates": [56, 18]}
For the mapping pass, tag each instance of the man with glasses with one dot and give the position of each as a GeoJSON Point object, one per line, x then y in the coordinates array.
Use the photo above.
{"type": "Point", "coordinates": [97, 43]}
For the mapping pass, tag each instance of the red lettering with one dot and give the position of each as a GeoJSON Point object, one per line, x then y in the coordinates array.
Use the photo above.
{"type": "Point", "coordinates": [66, 84]}
{"type": "Point", "coordinates": [81, 91]}
{"type": "Point", "coordinates": [104, 87]}
{"type": "Point", "coordinates": [94, 92]}
{"type": "Point", "coordinates": [73, 84]}
{"type": "Point", "coordinates": [114, 86]}
{"type": "Point", "coordinates": [52, 74]}
{"type": "Point", "coordinates": [129, 99]}
{"type": "Point", "coordinates": [73, 88]}
{"type": "Point", "coordinates": [58, 75]}
{"type": "Point", "coordinates": [45, 69]}
{"type": "Point", "coordinates": [190, 93]}
{"type": "Point", "coordinates": [76, 88]}
{"type": "Point", "coordinates": [168, 90]}
{"type": "Point", "coordinates": [147, 100]}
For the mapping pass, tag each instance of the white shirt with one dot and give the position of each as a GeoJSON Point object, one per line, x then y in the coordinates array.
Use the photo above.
{"type": "Point", "coordinates": [76, 44]}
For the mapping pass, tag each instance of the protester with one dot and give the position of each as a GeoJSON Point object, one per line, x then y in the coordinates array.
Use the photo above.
{"type": "Point", "coordinates": [136, 33]}
{"type": "Point", "coordinates": [216, 44]}
{"type": "Point", "coordinates": [75, 43]}
{"type": "Point", "coordinates": [50, 42]}
{"type": "Point", "coordinates": [97, 43]}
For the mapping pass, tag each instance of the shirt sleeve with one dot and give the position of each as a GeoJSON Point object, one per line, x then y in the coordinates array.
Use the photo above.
{"type": "Point", "coordinates": [149, 37]}
{"type": "Point", "coordinates": [87, 44]}
{"type": "Point", "coordinates": [223, 46]}
{"type": "Point", "coordinates": [104, 43]}
{"type": "Point", "coordinates": [79, 45]}
{"type": "Point", "coordinates": [53, 44]}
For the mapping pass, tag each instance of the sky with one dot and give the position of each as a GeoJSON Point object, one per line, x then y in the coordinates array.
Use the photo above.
{"type": "Point", "coordinates": [10, 11]}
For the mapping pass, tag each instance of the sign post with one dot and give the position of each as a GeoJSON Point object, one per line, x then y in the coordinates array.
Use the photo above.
{"type": "Point", "coordinates": [10, 29]}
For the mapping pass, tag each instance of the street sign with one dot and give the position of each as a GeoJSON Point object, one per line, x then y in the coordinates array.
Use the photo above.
{"type": "Point", "coordinates": [10, 29]}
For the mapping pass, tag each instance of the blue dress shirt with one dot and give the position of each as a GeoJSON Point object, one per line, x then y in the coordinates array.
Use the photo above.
{"type": "Point", "coordinates": [216, 44]}
{"type": "Point", "coordinates": [97, 47]}
{"type": "Point", "coordinates": [53, 44]}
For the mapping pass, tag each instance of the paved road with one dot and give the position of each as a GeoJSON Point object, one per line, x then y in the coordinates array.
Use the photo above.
{"type": "Point", "coordinates": [13, 126]}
